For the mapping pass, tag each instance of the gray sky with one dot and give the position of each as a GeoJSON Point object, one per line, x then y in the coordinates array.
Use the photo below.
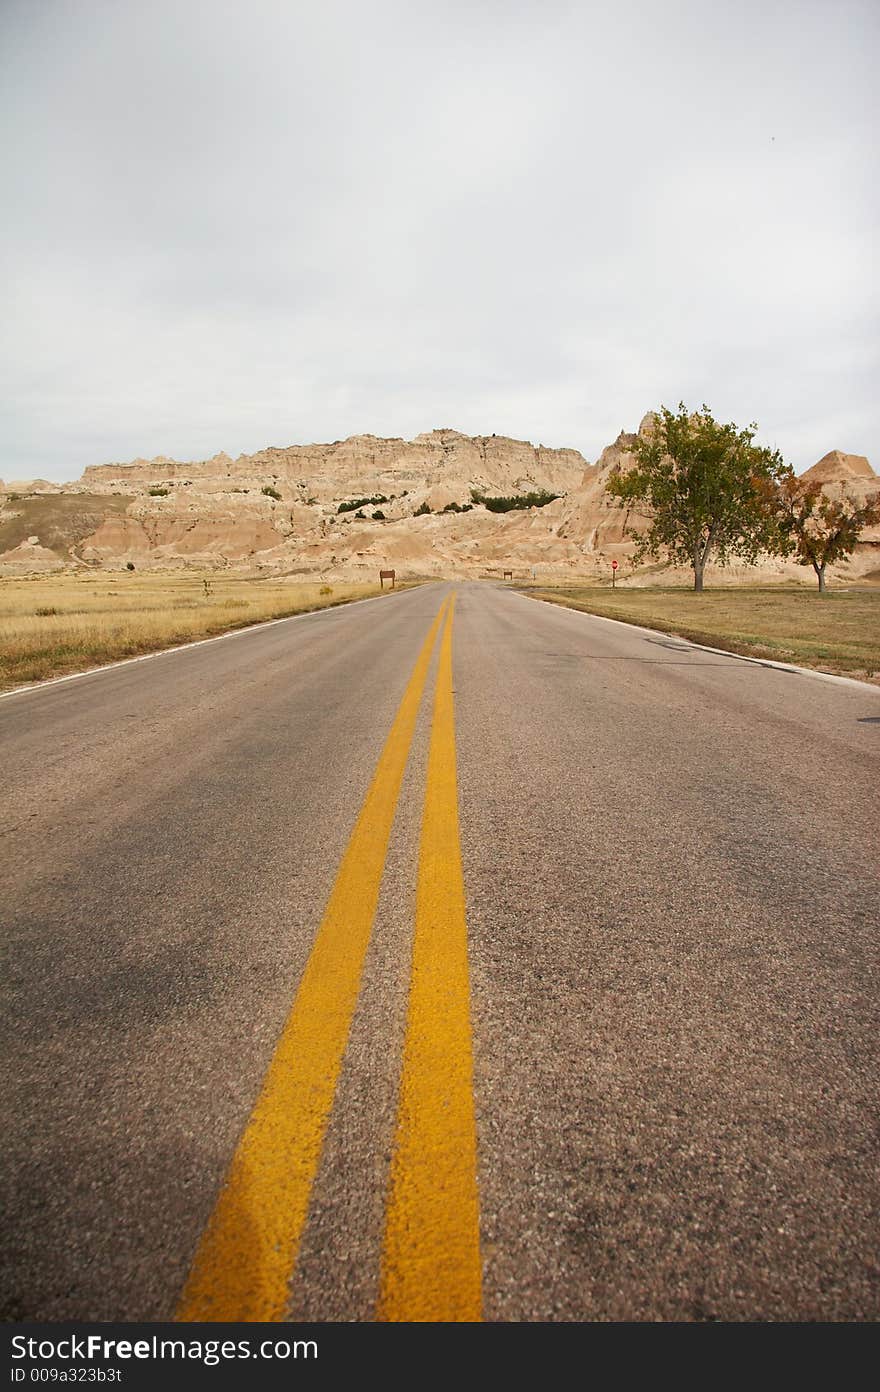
{"type": "Point", "coordinates": [230, 225]}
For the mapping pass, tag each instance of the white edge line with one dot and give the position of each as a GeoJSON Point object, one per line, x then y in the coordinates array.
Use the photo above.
{"type": "Point", "coordinates": [196, 643]}
{"type": "Point", "coordinates": [862, 686]}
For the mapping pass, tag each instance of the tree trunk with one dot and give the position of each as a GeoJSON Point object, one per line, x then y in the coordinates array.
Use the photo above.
{"type": "Point", "coordinates": [702, 547]}
{"type": "Point", "coordinates": [699, 565]}
{"type": "Point", "coordinates": [820, 571]}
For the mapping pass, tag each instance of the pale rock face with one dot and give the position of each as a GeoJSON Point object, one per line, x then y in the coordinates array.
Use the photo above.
{"type": "Point", "coordinates": [29, 557]}
{"type": "Point", "coordinates": [156, 539]}
{"type": "Point", "coordinates": [593, 515]}
{"type": "Point", "coordinates": [365, 465]}
{"type": "Point", "coordinates": [23, 486]}
{"type": "Point", "coordinates": [646, 425]}
{"type": "Point", "coordinates": [837, 467]}
{"type": "Point", "coordinates": [213, 513]}
{"type": "Point", "coordinates": [851, 475]}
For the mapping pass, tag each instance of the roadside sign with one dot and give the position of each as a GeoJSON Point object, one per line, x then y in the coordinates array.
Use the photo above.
{"type": "Point", "coordinates": [614, 565]}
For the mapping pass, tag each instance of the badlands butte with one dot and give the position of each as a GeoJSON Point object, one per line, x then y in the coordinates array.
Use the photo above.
{"type": "Point", "coordinates": [217, 513]}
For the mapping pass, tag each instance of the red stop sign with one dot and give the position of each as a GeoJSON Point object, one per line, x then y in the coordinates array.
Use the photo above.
{"type": "Point", "coordinates": [614, 565]}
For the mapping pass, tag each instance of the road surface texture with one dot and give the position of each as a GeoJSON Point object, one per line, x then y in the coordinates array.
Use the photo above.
{"type": "Point", "coordinates": [589, 1034]}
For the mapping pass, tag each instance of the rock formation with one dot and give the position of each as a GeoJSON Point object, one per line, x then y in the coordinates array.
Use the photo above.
{"type": "Point", "coordinates": [279, 511]}
{"type": "Point", "coordinates": [837, 467]}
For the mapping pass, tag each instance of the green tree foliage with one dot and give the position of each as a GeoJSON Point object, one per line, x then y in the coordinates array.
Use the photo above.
{"type": "Point", "coordinates": [702, 485]}
{"type": "Point", "coordinates": [818, 529]}
{"type": "Point", "coordinates": [422, 511]}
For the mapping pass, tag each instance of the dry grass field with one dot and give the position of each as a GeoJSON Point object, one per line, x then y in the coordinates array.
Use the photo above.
{"type": "Point", "coordinates": [836, 632]}
{"type": "Point", "coordinates": [52, 625]}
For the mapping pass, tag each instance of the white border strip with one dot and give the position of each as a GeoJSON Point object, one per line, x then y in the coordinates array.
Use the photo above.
{"type": "Point", "coordinates": [862, 686]}
{"type": "Point", "coordinates": [196, 643]}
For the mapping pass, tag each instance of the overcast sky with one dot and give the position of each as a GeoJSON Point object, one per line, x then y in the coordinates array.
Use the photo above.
{"type": "Point", "coordinates": [237, 223]}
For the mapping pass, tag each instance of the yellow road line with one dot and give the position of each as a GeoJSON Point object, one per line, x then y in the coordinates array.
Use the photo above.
{"type": "Point", "coordinates": [431, 1258]}
{"type": "Point", "coordinates": [248, 1251]}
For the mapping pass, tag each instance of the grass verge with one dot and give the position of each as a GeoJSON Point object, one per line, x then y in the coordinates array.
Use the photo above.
{"type": "Point", "coordinates": [838, 632]}
{"type": "Point", "coordinates": [51, 626]}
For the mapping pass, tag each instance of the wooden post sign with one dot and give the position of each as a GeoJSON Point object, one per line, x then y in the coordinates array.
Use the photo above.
{"type": "Point", "coordinates": [508, 575]}
{"type": "Point", "coordinates": [386, 575]}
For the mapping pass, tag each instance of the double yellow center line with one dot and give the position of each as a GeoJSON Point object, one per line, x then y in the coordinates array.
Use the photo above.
{"type": "Point", "coordinates": [431, 1258]}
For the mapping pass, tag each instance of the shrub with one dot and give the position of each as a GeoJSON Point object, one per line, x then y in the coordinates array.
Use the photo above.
{"type": "Point", "coordinates": [326, 589]}
{"type": "Point", "coordinates": [45, 613]}
{"type": "Point", "coordinates": [354, 503]}
{"type": "Point", "coordinates": [523, 500]}
{"type": "Point", "coordinates": [422, 511]}
{"type": "Point", "coordinates": [129, 565]}
{"type": "Point", "coordinates": [271, 492]}
{"type": "Point", "coordinates": [378, 516]}
{"type": "Point", "coordinates": [158, 492]}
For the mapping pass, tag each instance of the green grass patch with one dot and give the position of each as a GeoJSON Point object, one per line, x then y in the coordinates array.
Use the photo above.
{"type": "Point", "coordinates": [836, 632]}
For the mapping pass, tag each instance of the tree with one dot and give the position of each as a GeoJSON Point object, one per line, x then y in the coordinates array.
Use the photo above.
{"type": "Point", "coordinates": [700, 484]}
{"type": "Point", "coordinates": [818, 529]}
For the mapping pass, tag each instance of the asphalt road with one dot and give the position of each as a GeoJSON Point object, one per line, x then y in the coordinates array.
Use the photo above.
{"type": "Point", "coordinates": [670, 869]}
